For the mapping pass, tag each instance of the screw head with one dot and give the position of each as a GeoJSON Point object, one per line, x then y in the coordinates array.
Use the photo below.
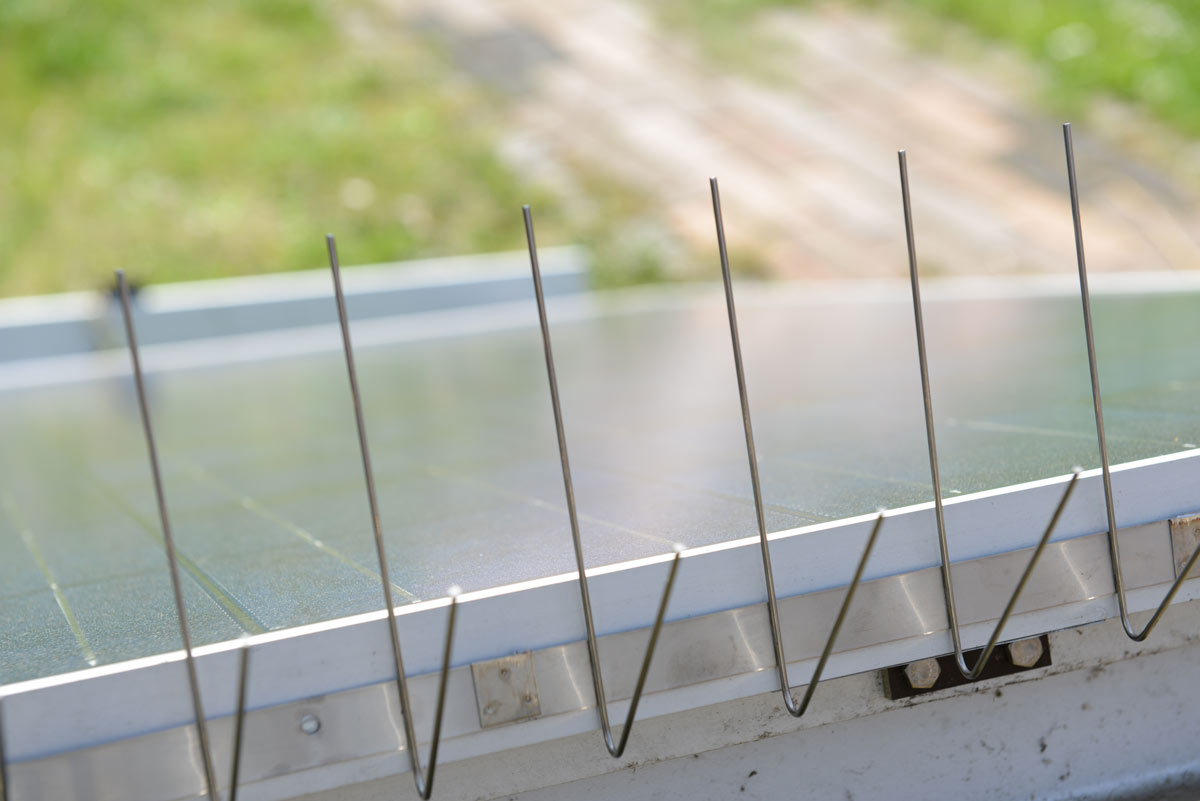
{"type": "Point", "coordinates": [1025, 653]}
{"type": "Point", "coordinates": [310, 724]}
{"type": "Point", "coordinates": [923, 673]}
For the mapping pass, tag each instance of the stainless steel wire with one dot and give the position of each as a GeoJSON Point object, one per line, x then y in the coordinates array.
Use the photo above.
{"type": "Point", "coordinates": [615, 747]}
{"type": "Point", "coordinates": [971, 673]}
{"type": "Point", "coordinates": [423, 780]}
{"type": "Point", "coordinates": [239, 719]}
{"type": "Point", "coordinates": [1109, 508]}
{"type": "Point", "coordinates": [168, 537]}
{"type": "Point", "coordinates": [3, 760]}
{"type": "Point", "coordinates": [841, 616]}
{"type": "Point", "coordinates": [789, 700]}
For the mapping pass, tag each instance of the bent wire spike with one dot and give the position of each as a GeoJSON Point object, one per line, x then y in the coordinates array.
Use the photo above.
{"type": "Point", "coordinates": [1114, 550]}
{"type": "Point", "coordinates": [618, 747]}
{"type": "Point", "coordinates": [789, 700]}
{"type": "Point", "coordinates": [168, 539]}
{"type": "Point", "coordinates": [935, 474]}
{"type": "Point", "coordinates": [943, 544]}
{"type": "Point", "coordinates": [423, 781]}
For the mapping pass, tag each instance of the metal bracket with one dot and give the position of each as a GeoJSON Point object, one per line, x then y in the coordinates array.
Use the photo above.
{"type": "Point", "coordinates": [506, 689]}
{"type": "Point", "coordinates": [939, 673]}
{"type": "Point", "coordinates": [1185, 536]}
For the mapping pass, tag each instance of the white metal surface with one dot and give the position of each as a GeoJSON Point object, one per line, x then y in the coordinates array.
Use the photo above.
{"type": "Point", "coordinates": [51, 326]}
{"type": "Point", "coordinates": [1104, 721]}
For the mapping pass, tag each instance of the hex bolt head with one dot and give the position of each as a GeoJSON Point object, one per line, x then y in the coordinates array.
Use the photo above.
{"type": "Point", "coordinates": [923, 673]}
{"type": "Point", "coordinates": [310, 724]}
{"type": "Point", "coordinates": [1025, 653]}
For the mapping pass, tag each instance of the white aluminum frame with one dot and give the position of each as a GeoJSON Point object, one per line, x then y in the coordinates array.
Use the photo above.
{"type": "Point", "coordinates": [311, 666]}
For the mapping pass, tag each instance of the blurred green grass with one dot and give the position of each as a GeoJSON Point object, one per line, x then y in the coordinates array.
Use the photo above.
{"type": "Point", "coordinates": [1142, 51]}
{"type": "Point", "coordinates": [193, 140]}
{"type": "Point", "coordinates": [183, 141]}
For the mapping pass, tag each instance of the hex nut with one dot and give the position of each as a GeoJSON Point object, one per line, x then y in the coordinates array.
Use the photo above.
{"type": "Point", "coordinates": [1025, 653]}
{"type": "Point", "coordinates": [923, 673]}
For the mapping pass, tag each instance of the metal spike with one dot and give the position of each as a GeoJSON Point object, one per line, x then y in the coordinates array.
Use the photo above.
{"type": "Point", "coordinates": [841, 616]}
{"type": "Point", "coordinates": [423, 781]}
{"type": "Point", "coordinates": [239, 719]}
{"type": "Point", "coordinates": [3, 760]}
{"type": "Point", "coordinates": [1113, 547]}
{"type": "Point", "coordinates": [789, 700]}
{"type": "Point", "coordinates": [971, 673]}
{"type": "Point", "coordinates": [615, 748]}
{"type": "Point", "coordinates": [168, 539]}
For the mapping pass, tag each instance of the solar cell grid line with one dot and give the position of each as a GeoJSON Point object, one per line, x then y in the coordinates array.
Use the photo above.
{"type": "Point", "coordinates": [794, 709]}
{"type": "Point", "coordinates": [615, 747]}
{"type": "Point", "coordinates": [848, 473]}
{"type": "Point", "coordinates": [107, 569]}
{"type": "Point", "coordinates": [258, 509]}
{"type": "Point", "coordinates": [422, 779]}
{"type": "Point", "coordinates": [237, 611]}
{"type": "Point", "coordinates": [487, 486]}
{"type": "Point", "coordinates": [87, 576]}
{"type": "Point", "coordinates": [1097, 406]}
{"type": "Point", "coordinates": [798, 514]}
{"type": "Point", "coordinates": [29, 540]}
{"type": "Point", "coordinates": [168, 541]}
{"type": "Point", "coordinates": [1008, 428]}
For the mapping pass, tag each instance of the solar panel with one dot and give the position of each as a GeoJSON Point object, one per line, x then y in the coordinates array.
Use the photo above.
{"type": "Point", "coordinates": [262, 471]}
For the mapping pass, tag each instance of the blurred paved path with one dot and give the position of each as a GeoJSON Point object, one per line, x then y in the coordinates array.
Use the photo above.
{"type": "Point", "coordinates": [808, 167]}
